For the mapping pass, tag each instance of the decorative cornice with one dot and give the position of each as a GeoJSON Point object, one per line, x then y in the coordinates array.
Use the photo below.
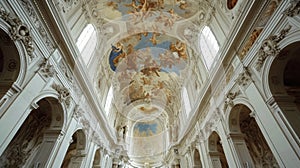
{"type": "Point", "coordinates": [293, 9]}
{"type": "Point", "coordinates": [270, 47]}
{"type": "Point", "coordinates": [19, 31]}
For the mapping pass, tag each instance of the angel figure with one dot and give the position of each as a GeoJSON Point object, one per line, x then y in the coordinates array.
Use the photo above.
{"type": "Point", "coordinates": [116, 54]}
{"type": "Point", "coordinates": [180, 48]}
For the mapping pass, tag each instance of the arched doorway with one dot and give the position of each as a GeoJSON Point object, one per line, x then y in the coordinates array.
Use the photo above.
{"type": "Point", "coordinates": [216, 151]}
{"type": "Point", "coordinates": [97, 159]}
{"type": "Point", "coordinates": [75, 152]}
{"type": "Point", "coordinates": [257, 146]}
{"type": "Point", "coordinates": [197, 160]}
{"type": "Point", "coordinates": [284, 84]}
{"type": "Point", "coordinates": [33, 143]}
{"type": "Point", "coordinates": [9, 64]}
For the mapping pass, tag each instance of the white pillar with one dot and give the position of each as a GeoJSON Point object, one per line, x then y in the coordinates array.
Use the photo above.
{"type": "Point", "coordinates": [19, 110]}
{"type": "Point", "coordinates": [240, 150]}
{"type": "Point", "coordinates": [227, 147]}
{"type": "Point", "coordinates": [90, 154]}
{"type": "Point", "coordinates": [276, 139]}
{"type": "Point", "coordinates": [204, 154]}
{"type": "Point", "coordinates": [60, 155]}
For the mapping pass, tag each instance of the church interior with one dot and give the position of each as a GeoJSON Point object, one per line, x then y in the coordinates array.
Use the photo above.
{"type": "Point", "coordinates": [149, 83]}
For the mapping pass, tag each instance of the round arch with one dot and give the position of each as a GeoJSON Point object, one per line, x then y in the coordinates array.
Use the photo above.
{"type": "Point", "coordinates": [232, 113]}
{"type": "Point", "coordinates": [283, 83]}
{"type": "Point", "coordinates": [13, 66]}
{"type": "Point", "coordinates": [196, 158]}
{"type": "Point", "coordinates": [73, 156]}
{"type": "Point", "coordinates": [54, 101]}
{"type": "Point", "coordinates": [216, 151]}
{"type": "Point", "coordinates": [290, 39]}
{"type": "Point", "coordinates": [247, 137]}
{"type": "Point", "coordinates": [37, 136]}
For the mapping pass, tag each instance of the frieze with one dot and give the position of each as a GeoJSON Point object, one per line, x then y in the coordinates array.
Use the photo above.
{"type": "Point", "coordinates": [37, 24]}
{"type": "Point", "coordinates": [19, 31]}
{"type": "Point", "coordinates": [270, 47]}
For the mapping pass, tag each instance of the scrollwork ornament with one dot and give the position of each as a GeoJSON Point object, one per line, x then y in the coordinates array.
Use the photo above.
{"type": "Point", "coordinates": [229, 99]}
{"type": "Point", "coordinates": [293, 9]}
{"type": "Point", "coordinates": [37, 23]}
{"type": "Point", "coordinates": [19, 31]}
{"type": "Point", "coordinates": [270, 47]}
{"type": "Point", "coordinates": [244, 78]}
{"type": "Point", "coordinates": [47, 69]}
{"type": "Point", "coordinates": [64, 94]}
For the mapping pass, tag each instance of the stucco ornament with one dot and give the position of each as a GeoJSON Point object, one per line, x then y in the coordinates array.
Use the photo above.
{"type": "Point", "coordinates": [270, 47]}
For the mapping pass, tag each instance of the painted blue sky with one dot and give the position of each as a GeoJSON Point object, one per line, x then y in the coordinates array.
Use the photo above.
{"type": "Point", "coordinates": [147, 128]}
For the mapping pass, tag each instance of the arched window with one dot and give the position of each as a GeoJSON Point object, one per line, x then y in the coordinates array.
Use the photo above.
{"type": "Point", "coordinates": [186, 101]}
{"type": "Point", "coordinates": [87, 42]}
{"type": "Point", "coordinates": [109, 98]}
{"type": "Point", "coordinates": [209, 46]}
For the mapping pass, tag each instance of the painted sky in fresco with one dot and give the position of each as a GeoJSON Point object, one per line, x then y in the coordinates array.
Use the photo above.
{"type": "Point", "coordinates": [143, 129]}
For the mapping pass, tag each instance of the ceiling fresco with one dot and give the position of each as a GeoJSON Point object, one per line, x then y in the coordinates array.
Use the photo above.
{"type": "Point", "coordinates": [145, 129]}
{"type": "Point", "coordinates": [148, 46]}
{"type": "Point", "coordinates": [145, 66]}
{"type": "Point", "coordinates": [142, 9]}
{"type": "Point", "coordinates": [147, 50]}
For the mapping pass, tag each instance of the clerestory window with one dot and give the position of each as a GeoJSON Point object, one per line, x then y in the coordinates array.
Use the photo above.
{"type": "Point", "coordinates": [209, 46]}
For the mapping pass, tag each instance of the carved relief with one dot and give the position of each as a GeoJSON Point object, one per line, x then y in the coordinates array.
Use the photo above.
{"type": "Point", "coordinates": [244, 78]}
{"type": "Point", "coordinates": [293, 9]}
{"type": "Point", "coordinates": [259, 26]}
{"type": "Point", "coordinates": [37, 23]}
{"type": "Point", "coordinates": [270, 47]}
{"type": "Point", "coordinates": [229, 99]}
{"type": "Point", "coordinates": [19, 31]}
{"type": "Point", "coordinates": [12, 65]}
{"type": "Point", "coordinates": [67, 5]}
{"type": "Point", "coordinates": [47, 70]}
{"type": "Point", "coordinates": [67, 73]}
{"type": "Point", "coordinates": [27, 140]}
{"type": "Point", "coordinates": [259, 150]}
{"type": "Point", "coordinates": [64, 94]}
